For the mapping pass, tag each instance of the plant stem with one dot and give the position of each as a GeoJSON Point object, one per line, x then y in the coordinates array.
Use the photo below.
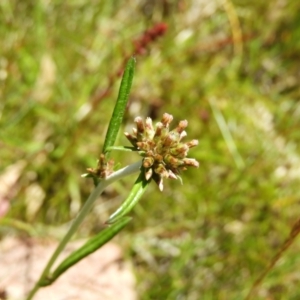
{"type": "Point", "coordinates": [83, 212]}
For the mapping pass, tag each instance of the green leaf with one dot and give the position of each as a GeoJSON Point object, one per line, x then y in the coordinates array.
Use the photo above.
{"type": "Point", "coordinates": [122, 148]}
{"type": "Point", "coordinates": [89, 247]}
{"type": "Point", "coordinates": [118, 113]}
{"type": "Point", "coordinates": [136, 193]}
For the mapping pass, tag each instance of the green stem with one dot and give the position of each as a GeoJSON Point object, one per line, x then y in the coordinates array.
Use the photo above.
{"type": "Point", "coordinates": [83, 212]}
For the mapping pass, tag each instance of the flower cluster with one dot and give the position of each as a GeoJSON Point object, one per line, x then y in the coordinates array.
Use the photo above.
{"type": "Point", "coordinates": [104, 168]}
{"type": "Point", "coordinates": [164, 153]}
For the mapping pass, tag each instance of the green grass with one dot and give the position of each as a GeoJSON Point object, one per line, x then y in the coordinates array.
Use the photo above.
{"type": "Point", "coordinates": [211, 237]}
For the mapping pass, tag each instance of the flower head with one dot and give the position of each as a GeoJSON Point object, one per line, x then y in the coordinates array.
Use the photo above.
{"type": "Point", "coordinates": [104, 168]}
{"type": "Point", "coordinates": [163, 151]}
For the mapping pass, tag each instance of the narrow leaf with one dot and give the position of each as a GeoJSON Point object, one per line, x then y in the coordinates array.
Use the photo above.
{"type": "Point", "coordinates": [136, 193]}
{"type": "Point", "coordinates": [118, 113]}
{"type": "Point", "coordinates": [122, 148]}
{"type": "Point", "coordinates": [89, 247]}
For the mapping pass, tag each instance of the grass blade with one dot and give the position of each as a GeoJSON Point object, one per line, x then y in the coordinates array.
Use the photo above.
{"type": "Point", "coordinates": [117, 116]}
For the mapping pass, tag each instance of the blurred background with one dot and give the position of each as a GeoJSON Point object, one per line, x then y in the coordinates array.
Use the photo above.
{"type": "Point", "coordinates": [230, 67]}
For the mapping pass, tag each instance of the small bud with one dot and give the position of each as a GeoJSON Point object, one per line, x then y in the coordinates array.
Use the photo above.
{"type": "Point", "coordinates": [192, 143]}
{"type": "Point", "coordinates": [132, 139]}
{"type": "Point", "coordinates": [159, 126]}
{"type": "Point", "coordinates": [161, 170]}
{"type": "Point", "coordinates": [159, 158]}
{"type": "Point", "coordinates": [159, 148]}
{"type": "Point", "coordinates": [183, 134]}
{"type": "Point", "coordinates": [144, 146]}
{"type": "Point", "coordinates": [149, 131]}
{"type": "Point", "coordinates": [139, 125]}
{"type": "Point", "coordinates": [173, 161]}
{"type": "Point", "coordinates": [148, 123]}
{"type": "Point", "coordinates": [91, 171]}
{"type": "Point", "coordinates": [182, 125]}
{"type": "Point", "coordinates": [164, 133]}
{"type": "Point", "coordinates": [166, 119]}
{"type": "Point", "coordinates": [179, 150]}
{"type": "Point", "coordinates": [171, 138]}
{"type": "Point", "coordinates": [148, 173]}
{"type": "Point", "coordinates": [148, 162]}
{"type": "Point", "coordinates": [191, 162]}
